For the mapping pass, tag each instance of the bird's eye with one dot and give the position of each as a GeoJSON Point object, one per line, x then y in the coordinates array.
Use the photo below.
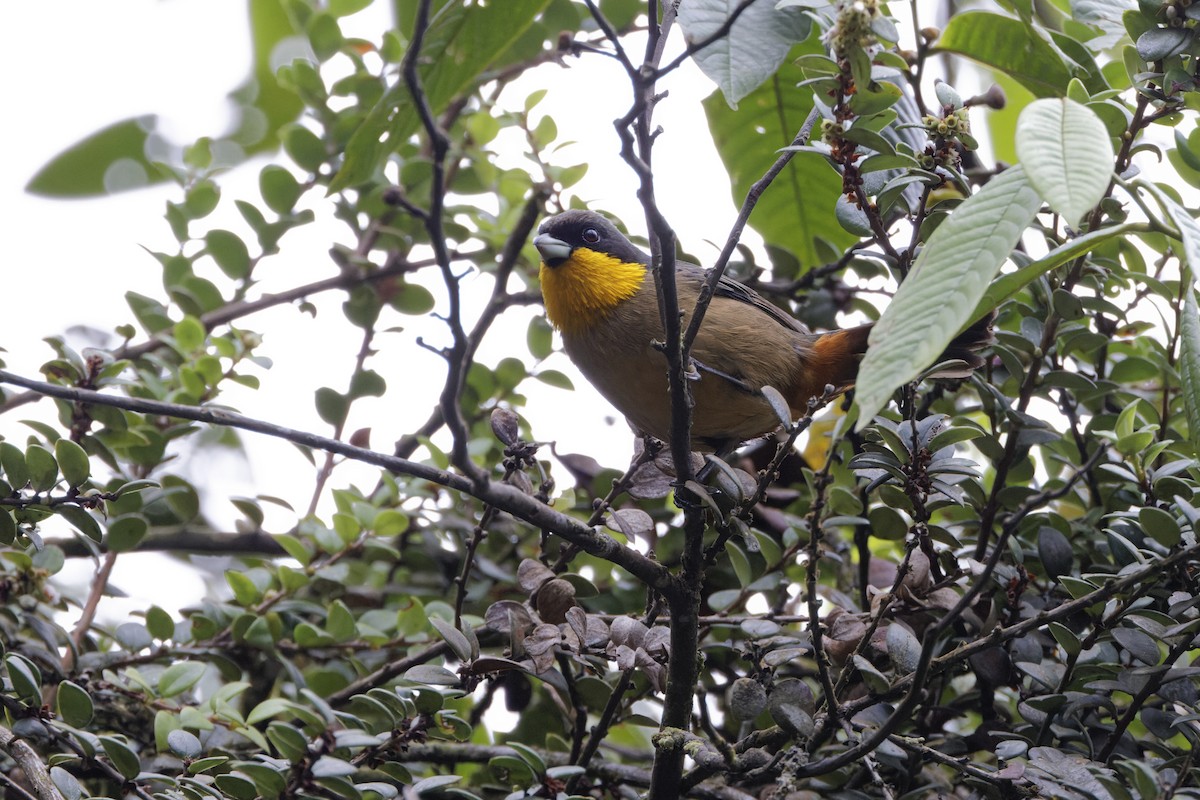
{"type": "Point", "coordinates": [591, 236]}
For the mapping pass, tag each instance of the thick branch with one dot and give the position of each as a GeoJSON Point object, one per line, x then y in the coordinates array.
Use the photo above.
{"type": "Point", "coordinates": [31, 763]}
{"type": "Point", "coordinates": [253, 543]}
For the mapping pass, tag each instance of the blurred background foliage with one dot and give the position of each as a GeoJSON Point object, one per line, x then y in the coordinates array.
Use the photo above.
{"type": "Point", "coordinates": [988, 591]}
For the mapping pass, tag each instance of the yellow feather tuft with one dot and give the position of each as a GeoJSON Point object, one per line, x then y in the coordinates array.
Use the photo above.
{"type": "Point", "coordinates": [581, 290]}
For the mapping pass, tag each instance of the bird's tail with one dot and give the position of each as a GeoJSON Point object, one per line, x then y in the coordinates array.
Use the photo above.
{"type": "Point", "coordinates": [835, 356]}
{"type": "Point", "coordinates": [966, 347]}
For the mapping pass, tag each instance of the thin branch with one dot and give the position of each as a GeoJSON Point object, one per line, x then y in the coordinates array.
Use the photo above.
{"type": "Point", "coordinates": [243, 308]}
{"type": "Point", "coordinates": [1153, 684]}
{"type": "Point", "coordinates": [739, 225]}
{"type": "Point", "coordinates": [88, 615]}
{"type": "Point", "coordinates": [252, 543]}
{"type": "Point", "coordinates": [714, 37]}
{"type": "Point", "coordinates": [1151, 573]}
{"type": "Point", "coordinates": [326, 469]}
{"type": "Point", "coordinates": [506, 498]}
{"type": "Point", "coordinates": [457, 362]}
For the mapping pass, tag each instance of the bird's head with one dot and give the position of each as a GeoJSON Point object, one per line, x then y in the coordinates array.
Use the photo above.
{"type": "Point", "coordinates": [573, 234]}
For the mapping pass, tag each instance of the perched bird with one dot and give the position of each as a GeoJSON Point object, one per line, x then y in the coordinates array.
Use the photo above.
{"type": "Point", "coordinates": [600, 295]}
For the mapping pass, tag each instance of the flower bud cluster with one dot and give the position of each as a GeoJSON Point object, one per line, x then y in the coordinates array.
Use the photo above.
{"type": "Point", "coordinates": [852, 28]}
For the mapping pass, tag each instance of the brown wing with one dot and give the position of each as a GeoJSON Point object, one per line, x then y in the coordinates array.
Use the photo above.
{"type": "Point", "coordinates": [732, 289]}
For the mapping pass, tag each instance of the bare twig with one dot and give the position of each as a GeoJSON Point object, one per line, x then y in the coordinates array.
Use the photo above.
{"type": "Point", "coordinates": [31, 764]}
{"type": "Point", "coordinates": [456, 358]}
{"type": "Point", "coordinates": [88, 614]}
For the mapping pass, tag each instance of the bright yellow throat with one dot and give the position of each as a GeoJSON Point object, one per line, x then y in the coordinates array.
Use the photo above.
{"type": "Point", "coordinates": [585, 287]}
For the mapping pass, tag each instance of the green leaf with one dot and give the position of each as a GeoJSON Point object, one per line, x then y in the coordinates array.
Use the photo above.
{"type": "Point", "coordinates": [340, 622]}
{"type": "Point", "coordinates": [67, 783]}
{"type": "Point", "coordinates": [189, 334]}
{"type": "Point", "coordinates": [25, 677]}
{"type": "Point", "coordinates": [460, 43]}
{"type": "Point", "coordinates": [82, 520]}
{"type": "Point", "coordinates": [1159, 43]}
{"type": "Point", "coordinates": [367, 383]}
{"type": "Point", "coordinates": [1160, 525]}
{"type": "Point", "coordinates": [412, 298]}
{"type": "Point", "coordinates": [126, 532]}
{"type": "Point", "coordinates": [552, 377]}
{"type": "Point", "coordinates": [539, 338]}
{"type": "Point", "coordinates": [12, 459]}
{"type": "Point", "coordinates": [183, 743]}
{"type": "Point", "coordinates": [344, 8]}
{"type": "Point", "coordinates": [1105, 15]}
{"type": "Point", "coordinates": [741, 564]}
{"type": "Point", "coordinates": [875, 97]}
{"type": "Point", "coordinates": [453, 637]}
{"type": "Point", "coordinates": [903, 648]}
{"type": "Point", "coordinates": [245, 592]}
{"type": "Point", "coordinates": [150, 313]}
{"type": "Point", "coordinates": [511, 770]}
{"type": "Point", "coordinates": [751, 51]}
{"type": "Point", "coordinates": [288, 741]}
{"type": "Point", "coordinates": [74, 704]}
{"type": "Point", "coordinates": [236, 785]}
{"type": "Point", "coordinates": [279, 188]}
{"type": "Point", "coordinates": [1009, 284]}
{"type": "Point", "coordinates": [110, 160]}
{"type": "Point", "coordinates": [945, 286]}
{"type": "Point", "coordinates": [230, 253]}
{"type": "Point", "coordinates": [159, 623]}
{"type": "Point", "coordinates": [325, 36]}
{"type": "Point", "coordinates": [8, 527]}
{"type": "Point", "coordinates": [121, 756]}
{"type": "Point", "coordinates": [1067, 155]}
{"type": "Point", "coordinates": [1009, 45]}
{"type": "Point", "coordinates": [1189, 229]}
{"type": "Point", "coordinates": [73, 461]}
{"type": "Point", "coordinates": [1189, 362]}
{"type": "Point", "coordinates": [798, 209]}
{"type": "Point", "coordinates": [332, 406]}
{"type": "Point", "coordinates": [304, 147]}
{"type": "Point", "coordinates": [43, 469]}
{"type": "Point", "coordinates": [434, 784]}
{"type": "Point", "coordinates": [179, 677]}
{"type": "Point", "coordinates": [432, 675]}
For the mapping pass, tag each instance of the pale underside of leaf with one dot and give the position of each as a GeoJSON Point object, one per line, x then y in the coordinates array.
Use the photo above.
{"type": "Point", "coordinates": [1067, 155]}
{"type": "Point", "coordinates": [950, 276]}
{"type": "Point", "coordinates": [756, 45]}
{"type": "Point", "coordinates": [1189, 229]}
{"type": "Point", "coordinates": [1105, 15]}
{"type": "Point", "coordinates": [1189, 327]}
{"type": "Point", "coordinates": [1189, 363]}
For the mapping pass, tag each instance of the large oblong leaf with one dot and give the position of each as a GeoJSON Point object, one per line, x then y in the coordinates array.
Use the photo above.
{"type": "Point", "coordinates": [1067, 155]}
{"type": "Point", "coordinates": [755, 46]}
{"type": "Point", "coordinates": [1009, 45]}
{"type": "Point", "coordinates": [1189, 322]}
{"type": "Point", "coordinates": [799, 206]}
{"type": "Point", "coordinates": [1189, 362]}
{"type": "Point", "coordinates": [1189, 229]}
{"type": "Point", "coordinates": [942, 291]}
{"type": "Point", "coordinates": [121, 156]}
{"type": "Point", "coordinates": [110, 160]}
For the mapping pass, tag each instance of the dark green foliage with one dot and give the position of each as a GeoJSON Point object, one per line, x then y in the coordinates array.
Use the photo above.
{"type": "Point", "coordinates": [987, 590]}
